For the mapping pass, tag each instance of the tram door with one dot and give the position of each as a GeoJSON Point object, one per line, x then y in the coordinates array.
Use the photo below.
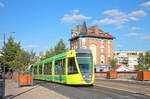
{"type": "Point", "coordinates": [59, 69]}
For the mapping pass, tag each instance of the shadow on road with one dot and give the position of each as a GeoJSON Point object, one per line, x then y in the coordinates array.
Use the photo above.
{"type": "Point", "coordinates": [13, 96]}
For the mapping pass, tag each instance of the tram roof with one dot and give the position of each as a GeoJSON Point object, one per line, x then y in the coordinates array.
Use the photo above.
{"type": "Point", "coordinates": [56, 57]}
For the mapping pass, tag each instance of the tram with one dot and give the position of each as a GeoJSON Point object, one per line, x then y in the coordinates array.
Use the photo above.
{"type": "Point", "coordinates": [74, 67]}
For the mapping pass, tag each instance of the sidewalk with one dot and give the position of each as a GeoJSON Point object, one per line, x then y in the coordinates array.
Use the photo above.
{"type": "Point", "coordinates": [126, 81]}
{"type": "Point", "coordinates": [12, 91]}
{"type": "Point", "coordinates": [132, 86]}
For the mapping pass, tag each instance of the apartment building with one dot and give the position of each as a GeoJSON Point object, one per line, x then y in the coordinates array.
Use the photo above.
{"type": "Point", "coordinates": [95, 39]}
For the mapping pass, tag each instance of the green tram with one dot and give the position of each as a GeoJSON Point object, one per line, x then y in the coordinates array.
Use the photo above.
{"type": "Point", "coordinates": [74, 67]}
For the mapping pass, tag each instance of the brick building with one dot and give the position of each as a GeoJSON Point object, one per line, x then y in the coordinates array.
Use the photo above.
{"type": "Point", "coordinates": [95, 39]}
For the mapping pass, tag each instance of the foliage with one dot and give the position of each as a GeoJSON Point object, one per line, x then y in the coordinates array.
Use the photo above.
{"type": "Point", "coordinates": [113, 63]}
{"type": "Point", "coordinates": [14, 58]}
{"type": "Point", "coordinates": [143, 62]}
{"type": "Point", "coordinates": [60, 47]}
{"type": "Point", "coordinates": [9, 52]}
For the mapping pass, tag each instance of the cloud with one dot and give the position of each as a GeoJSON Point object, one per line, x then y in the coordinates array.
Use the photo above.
{"type": "Point", "coordinates": [134, 34]}
{"type": "Point", "coordinates": [119, 18]}
{"type": "Point", "coordinates": [134, 18]}
{"type": "Point", "coordinates": [146, 4]}
{"type": "Point", "coordinates": [138, 13]}
{"type": "Point", "coordinates": [113, 12]}
{"type": "Point", "coordinates": [134, 28]}
{"type": "Point", "coordinates": [106, 21]}
{"type": "Point", "coordinates": [146, 38]}
{"type": "Point", "coordinates": [2, 4]}
{"type": "Point", "coordinates": [75, 11]}
{"type": "Point", "coordinates": [74, 17]}
{"type": "Point", "coordinates": [31, 46]}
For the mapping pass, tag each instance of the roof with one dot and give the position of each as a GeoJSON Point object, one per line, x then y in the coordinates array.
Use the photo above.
{"type": "Point", "coordinates": [93, 31]}
{"type": "Point", "coordinates": [101, 35]}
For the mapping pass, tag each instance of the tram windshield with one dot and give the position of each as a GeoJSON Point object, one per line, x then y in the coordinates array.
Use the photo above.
{"type": "Point", "coordinates": [85, 62]}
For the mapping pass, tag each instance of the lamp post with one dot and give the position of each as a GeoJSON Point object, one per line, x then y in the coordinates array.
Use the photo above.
{"type": "Point", "coordinates": [4, 42]}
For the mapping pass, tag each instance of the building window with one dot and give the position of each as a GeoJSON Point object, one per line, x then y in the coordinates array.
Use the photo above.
{"type": "Point", "coordinates": [83, 42]}
{"type": "Point", "coordinates": [93, 49]}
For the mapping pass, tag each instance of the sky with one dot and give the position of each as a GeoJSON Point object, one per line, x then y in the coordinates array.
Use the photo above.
{"type": "Point", "coordinates": [40, 24]}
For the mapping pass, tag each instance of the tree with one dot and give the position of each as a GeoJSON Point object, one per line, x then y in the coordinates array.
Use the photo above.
{"type": "Point", "coordinates": [9, 52]}
{"type": "Point", "coordinates": [14, 58]}
{"type": "Point", "coordinates": [113, 63]}
{"type": "Point", "coordinates": [60, 47]}
{"type": "Point", "coordinates": [143, 62]}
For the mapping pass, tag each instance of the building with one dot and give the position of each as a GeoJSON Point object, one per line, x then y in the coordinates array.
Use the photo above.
{"type": "Point", "coordinates": [128, 58]}
{"type": "Point", "coordinates": [122, 68]}
{"type": "Point", "coordinates": [95, 39]}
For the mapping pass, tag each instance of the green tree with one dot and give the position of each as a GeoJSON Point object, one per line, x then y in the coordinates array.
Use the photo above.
{"type": "Point", "coordinates": [60, 47]}
{"type": "Point", "coordinates": [9, 52]}
{"type": "Point", "coordinates": [143, 62]}
{"type": "Point", "coordinates": [21, 62]}
{"type": "Point", "coordinates": [14, 58]}
{"type": "Point", "coordinates": [113, 63]}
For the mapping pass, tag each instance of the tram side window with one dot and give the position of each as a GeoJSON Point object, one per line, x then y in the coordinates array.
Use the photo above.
{"type": "Point", "coordinates": [40, 69]}
{"type": "Point", "coordinates": [57, 65]}
{"type": "Point", "coordinates": [63, 66]}
{"type": "Point", "coordinates": [72, 69]}
{"type": "Point", "coordinates": [45, 68]}
{"type": "Point", "coordinates": [49, 68]}
{"type": "Point", "coordinates": [35, 70]}
{"type": "Point", "coordinates": [60, 67]}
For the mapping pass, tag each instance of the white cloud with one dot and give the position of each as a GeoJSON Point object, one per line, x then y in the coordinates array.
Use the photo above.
{"type": "Point", "coordinates": [113, 12]}
{"type": "Point", "coordinates": [75, 10]}
{"type": "Point", "coordinates": [138, 13]}
{"type": "Point", "coordinates": [105, 21]}
{"type": "Point", "coordinates": [74, 17]}
{"type": "Point", "coordinates": [32, 46]}
{"type": "Point", "coordinates": [134, 18]}
{"type": "Point", "coordinates": [2, 4]}
{"type": "Point", "coordinates": [146, 4]}
{"type": "Point", "coordinates": [146, 38]}
{"type": "Point", "coordinates": [110, 21]}
{"type": "Point", "coordinates": [134, 28]}
{"type": "Point", "coordinates": [134, 34]}
{"type": "Point", "coordinates": [119, 18]}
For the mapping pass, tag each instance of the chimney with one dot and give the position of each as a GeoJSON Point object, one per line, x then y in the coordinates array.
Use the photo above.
{"type": "Point", "coordinates": [79, 28]}
{"type": "Point", "coordinates": [96, 29]}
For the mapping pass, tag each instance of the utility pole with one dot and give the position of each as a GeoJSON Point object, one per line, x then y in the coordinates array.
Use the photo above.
{"type": "Point", "coordinates": [4, 42]}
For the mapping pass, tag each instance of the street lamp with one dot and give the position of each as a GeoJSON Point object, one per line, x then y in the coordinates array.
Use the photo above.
{"type": "Point", "coordinates": [4, 64]}
{"type": "Point", "coordinates": [4, 42]}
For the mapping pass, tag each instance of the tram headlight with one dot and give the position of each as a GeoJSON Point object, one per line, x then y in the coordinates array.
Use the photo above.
{"type": "Point", "coordinates": [90, 76]}
{"type": "Point", "coordinates": [84, 76]}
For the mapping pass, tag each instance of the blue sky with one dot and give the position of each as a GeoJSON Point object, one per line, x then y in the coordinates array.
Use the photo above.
{"type": "Point", "coordinates": [39, 24]}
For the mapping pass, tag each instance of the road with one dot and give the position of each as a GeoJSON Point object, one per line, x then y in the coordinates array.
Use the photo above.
{"type": "Point", "coordinates": [95, 92]}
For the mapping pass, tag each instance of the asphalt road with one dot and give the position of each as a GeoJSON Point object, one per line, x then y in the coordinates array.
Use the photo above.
{"type": "Point", "coordinates": [95, 92]}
